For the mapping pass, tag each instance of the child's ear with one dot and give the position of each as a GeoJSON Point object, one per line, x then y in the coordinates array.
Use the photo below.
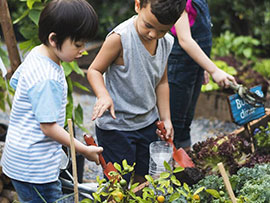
{"type": "Point", "coordinates": [52, 39]}
{"type": "Point", "coordinates": [137, 5]}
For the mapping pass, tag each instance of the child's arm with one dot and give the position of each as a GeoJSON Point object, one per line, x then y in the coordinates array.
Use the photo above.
{"type": "Point", "coordinates": [109, 52]}
{"type": "Point", "coordinates": [57, 133]}
{"type": "Point", "coordinates": [163, 104]}
{"type": "Point", "coordinates": [195, 52]}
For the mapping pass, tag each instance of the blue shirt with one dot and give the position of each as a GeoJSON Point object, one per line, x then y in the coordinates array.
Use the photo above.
{"type": "Point", "coordinates": [40, 97]}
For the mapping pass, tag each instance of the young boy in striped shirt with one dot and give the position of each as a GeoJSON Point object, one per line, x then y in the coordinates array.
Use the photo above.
{"type": "Point", "coordinates": [32, 152]}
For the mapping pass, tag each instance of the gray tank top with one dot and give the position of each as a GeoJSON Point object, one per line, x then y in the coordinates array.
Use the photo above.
{"type": "Point", "coordinates": [132, 85]}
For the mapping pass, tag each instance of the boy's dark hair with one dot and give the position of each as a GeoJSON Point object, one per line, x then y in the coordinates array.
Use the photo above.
{"type": "Point", "coordinates": [68, 18]}
{"type": "Point", "coordinates": [167, 12]}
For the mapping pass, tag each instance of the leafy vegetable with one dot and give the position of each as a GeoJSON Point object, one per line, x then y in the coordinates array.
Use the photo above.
{"type": "Point", "coordinates": [232, 150]}
{"type": "Point", "coordinates": [263, 67]}
{"type": "Point", "coordinates": [262, 138]}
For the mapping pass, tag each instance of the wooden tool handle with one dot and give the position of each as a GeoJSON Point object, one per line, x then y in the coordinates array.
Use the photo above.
{"type": "Point", "coordinates": [91, 141]}
{"type": "Point", "coordinates": [226, 181]}
{"type": "Point", "coordinates": [74, 164]}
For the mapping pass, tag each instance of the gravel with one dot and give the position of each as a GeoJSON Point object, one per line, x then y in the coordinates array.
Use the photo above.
{"type": "Point", "coordinates": [201, 128]}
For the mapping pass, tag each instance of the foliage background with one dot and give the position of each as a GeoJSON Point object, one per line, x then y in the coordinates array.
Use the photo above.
{"type": "Point", "coordinates": [241, 17]}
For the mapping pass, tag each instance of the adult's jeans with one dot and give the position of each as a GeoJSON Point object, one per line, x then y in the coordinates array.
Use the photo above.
{"type": "Point", "coordinates": [185, 80]}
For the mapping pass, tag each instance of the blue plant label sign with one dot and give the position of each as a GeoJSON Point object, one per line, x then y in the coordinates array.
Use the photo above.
{"type": "Point", "coordinates": [242, 112]}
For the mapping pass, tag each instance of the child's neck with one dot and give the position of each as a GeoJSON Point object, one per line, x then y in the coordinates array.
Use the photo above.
{"type": "Point", "coordinates": [48, 51]}
{"type": "Point", "coordinates": [150, 45]}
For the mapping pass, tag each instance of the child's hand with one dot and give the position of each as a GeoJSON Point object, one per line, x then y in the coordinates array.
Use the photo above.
{"type": "Point", "coordinates": [222, 78]}
{"type": "Point", "coordinates": [205, 78]}
{"type": "Point", "coordinates": [92, 153]}
{"type": "Point", "coordinates": [103, 104]}
{"type": "Point", "coordinates": [167, 133]}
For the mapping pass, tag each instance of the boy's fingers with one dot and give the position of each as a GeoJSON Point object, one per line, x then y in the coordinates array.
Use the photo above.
{"type": "Point", "coordinates": [112, 112]}
{"type": "Point", "coordinates": [158, 132]}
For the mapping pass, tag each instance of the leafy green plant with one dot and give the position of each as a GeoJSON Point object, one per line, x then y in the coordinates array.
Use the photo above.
{"type": "Point", "coordinates": [262, 138]}
{"type": "Point", "coordinates": [5, 90]}
{"type": "Point", "coordinates": [242, 18]}
{"type": "Point", "coordinates": [165, 188]}
{"type": "Point", "coordinates": [232, 150]}
{"type": "Point", "coordinates": [111, 13]}
{"type": "Point", "coordinates": [211, 86]}
{"type": "Point", "coordinates": [242, 47]}
{"type": "Point", "coordinates": [29, 29]}
{"type": "Point", "coordinates": [253, 183]}
{"type": "Point", "coordinates": [263, 67]}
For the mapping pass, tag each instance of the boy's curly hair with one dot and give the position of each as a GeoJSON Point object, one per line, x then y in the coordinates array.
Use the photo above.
{"type": "Point", "coordinates": [167, 12]}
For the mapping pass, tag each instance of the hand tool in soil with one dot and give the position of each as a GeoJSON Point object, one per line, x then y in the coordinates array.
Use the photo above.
{"type": "Point", "coordinates": [74, 164]}
{"type": "Point", "coordinates": [250, 97]}
{"type": "Point", "coordinates": [179, 155]}
{"type": "Point", "coordinates": [226, 182]}
{"type": "Point", "coordinates": [107, 168]}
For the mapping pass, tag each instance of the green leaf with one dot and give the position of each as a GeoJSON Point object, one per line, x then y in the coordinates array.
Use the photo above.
{"type": "Point", "coordinates": [67, 68]}
{"type": "Point", "coordinates": [134, 186]}
{"type": "Point", "coordinates": [170, 190]}
{"type": "Point", "coordinates": [167, 166]}
{"type": "Point", "coordinates": [164, 175]}
{"type": "Point", "coordinates": [34, 16]}
{"type": "Point", "coordinates": [77, 84]}
{"type": "Point", "coordinates": [247, 52]}
{"type": "Point", "coordinates": [186, 187]}
{"type": "Point", "coordinates": [182, 192]}
{"type": "Point", "coordinates": [175, 181]}
{"type": "Point", "coordinates": [149, 178]}
{"type": "Point", "coordinates": [213, 192]}
{"type": "Point", "coordinates": [174, 196]}
{"type": "Point", "coordinates": [118, 167]}
{"type": "Point", "coordinates": [25, 13]}
{"type": "Point", "coordinates": [30, 3]}
{"type": "Point", "coordinates": [25, 45]}
{"type": "Point", "coordinates": [178, 169]}
{"type": "Point", "coordinates": [85, 53]}
{"type": "Point", "coordinates": [199, 190]}
{"type": "Point", "coordinates": [4, 56]}
{"type": "Point", "coordinates": [76, 68]}
{"type": "Point", "coordinates": [96, 197]}
{"type": "Point", "coordinates": [86, 201]}
{"type": "Point", "coordinates": [124, 163]}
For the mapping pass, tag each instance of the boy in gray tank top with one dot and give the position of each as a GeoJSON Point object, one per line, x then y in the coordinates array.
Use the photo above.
{"type": "Point", "coordinates": [135, 92]}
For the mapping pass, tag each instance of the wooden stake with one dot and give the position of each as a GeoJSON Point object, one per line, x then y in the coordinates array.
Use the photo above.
{"type": "Point", "coordinates": [74, 165]}
{"type": "Point", "coordinates": [226, 181]}
{"type": "Point", "coordinates": [248, 129]}
{"type": "Point", "coordinates": [8, 32]}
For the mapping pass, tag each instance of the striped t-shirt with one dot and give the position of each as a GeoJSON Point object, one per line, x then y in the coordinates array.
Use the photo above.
{"type": "Point", "coordinates": [40, 97]}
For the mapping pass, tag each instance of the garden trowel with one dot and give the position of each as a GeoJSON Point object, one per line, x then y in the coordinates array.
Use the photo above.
{"type": "Point", "coordinates": [107, 168]}
{"type": "Point", "coordinates": [179, 155]}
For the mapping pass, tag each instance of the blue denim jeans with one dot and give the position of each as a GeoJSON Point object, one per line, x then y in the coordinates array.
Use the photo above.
{"type": "Point", "coordinates": [185, 82]}
{"type": "Point", "coordinates": [27, 193]}
{"type": "Point", "coordinates": [185, 76]}
{"type": "Point", "coordinates": [130, 145]}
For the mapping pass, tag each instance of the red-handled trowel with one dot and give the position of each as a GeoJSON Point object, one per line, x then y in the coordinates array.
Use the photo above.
{"type": "Point", "coordinates": [179, 155]}
{"type": "Point", "coordinates": [107, 168]}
